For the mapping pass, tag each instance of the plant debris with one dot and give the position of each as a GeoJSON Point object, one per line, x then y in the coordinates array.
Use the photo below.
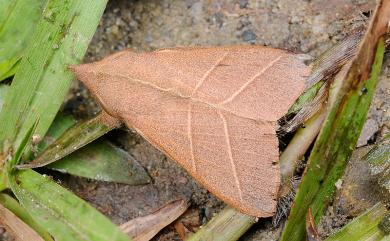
{"type": "Point", "coordinates": [145, 228]}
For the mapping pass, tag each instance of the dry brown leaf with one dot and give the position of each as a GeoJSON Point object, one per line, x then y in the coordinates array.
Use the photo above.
{"type": "Point", "coordinates": [19, 230]}
{"type": "Point", "coordinates": [181, 230]}
{"type": "Point", "coordinates": [145, 228]}
{"type": "Point", "coordinates": [213, 110]}
{"type": "Point", "coordinates": [188, 223]}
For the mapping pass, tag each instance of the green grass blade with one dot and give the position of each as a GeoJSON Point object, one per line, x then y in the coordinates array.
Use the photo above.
{"type": "Point", "coordinates": [3, 178]}
{"type": "Point", "coordinates": [11, 71]}
{"type": "Point", "coordinates": [18, 19]}
{"type": "Point", "coordinates": [228, 225]}
{"type": "Point", "coordinates": [73, 139]}
{"type": "Point", "coordinates": [42, 80]}
{"type": "Point", "coordinates": [23, 145]}
{"type": "Point", "coordinates": [8, 67]}
{"type": "Point", "coordinates": [65, 216]}
{"type": "Point", "coordinates": [59, 126]}
{"type": "Point", "coordinates": [13, 205]}
{"type": "Point", "coordinates": [98, 160]}
{"type": "Point", "coordinates": [365, 227]}
{"type": "Point", "coordinates": [3, 91]}
{"type": "Point", "coordinates": [305, 98]}
{"type": "Point", "coordinates": [339, 134]}
{"type": "Point", "coordinates": [6, 7]}
{"type": "Point", "coordinates": [104, 162]}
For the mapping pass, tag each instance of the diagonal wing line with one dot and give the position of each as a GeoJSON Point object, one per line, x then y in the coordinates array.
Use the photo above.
{"type": "Point", "coordinates": [237, 181]}
{"type": "Point", "coordinates": [172, 91]}
{"type": "Point", "coordinates": [244, 86]}
{"type": "Point", "coordinates": [208, 72]}
{"type": "Point", "coordinates": [189, 130]}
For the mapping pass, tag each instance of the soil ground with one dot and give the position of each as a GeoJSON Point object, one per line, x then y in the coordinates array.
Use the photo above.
{"type": "Point", "coordinates": [300, 26]}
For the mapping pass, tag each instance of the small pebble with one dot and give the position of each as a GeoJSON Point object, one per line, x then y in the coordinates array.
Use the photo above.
{"type": "Point", "coordinates": [243, 3]}
{"type": "Point", "coordinates": [249, 36]}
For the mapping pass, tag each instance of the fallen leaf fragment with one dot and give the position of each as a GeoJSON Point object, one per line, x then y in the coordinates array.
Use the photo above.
{"type": "Point", "coordinates": [145, 228]}
{"type": "Point", "coordinates": [213, 110]}
{"type": "Point", "coordinates": [19, 230]}
{"type": "Point", "coordinates": [182, 230]}
{"type": "Point", "coordinates": [188, 223]}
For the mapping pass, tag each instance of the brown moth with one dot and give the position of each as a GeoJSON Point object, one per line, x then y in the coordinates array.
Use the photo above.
{"type": "Point", "coordinates": [213, 110]}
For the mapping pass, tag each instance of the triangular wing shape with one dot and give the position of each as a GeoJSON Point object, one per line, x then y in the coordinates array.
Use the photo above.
{"type": "Point", "coordinates": [213, 110]}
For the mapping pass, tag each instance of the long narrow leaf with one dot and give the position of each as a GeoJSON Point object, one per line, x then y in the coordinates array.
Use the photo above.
{"type": "Point", "coordinates": [11, 70]}
{"type": "Point", "coordinates": [98, 160]}
{"type": "Point", "coordinates": [73, 139]}
{"type": "Point", "coordinates": [42, 80]}
{"type": "Point", "coordinates": [3, 91]}
{"type": "Point", "coordinates": [18, 20]}
{"type": "Point", "coordinates": [3, 177]}
{"type": "Point", "coordinates": [6, 7]}
{"type": "Point", "coordinates": [60, 125]}
{"type": "Point", "coordinates": [228, 225]}
{"type": "Point", "coordinates": [60, 212]}
{"type": "Point", "coordinates": [23, 145]}
{"type": "Point", "coordinates": [365, 227]}
{"type": "Point", "coordinates": [104, 162]}
{"type": "Point", "coordinates": [350, 101]}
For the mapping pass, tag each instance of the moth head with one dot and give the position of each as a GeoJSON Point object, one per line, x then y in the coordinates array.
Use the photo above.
{"type": "Point", "coordinates": [85, 73]}
{"type": "Point", "coordinates": [96, 83]}
{"type": "Point", "coordinates": [91, 74]}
